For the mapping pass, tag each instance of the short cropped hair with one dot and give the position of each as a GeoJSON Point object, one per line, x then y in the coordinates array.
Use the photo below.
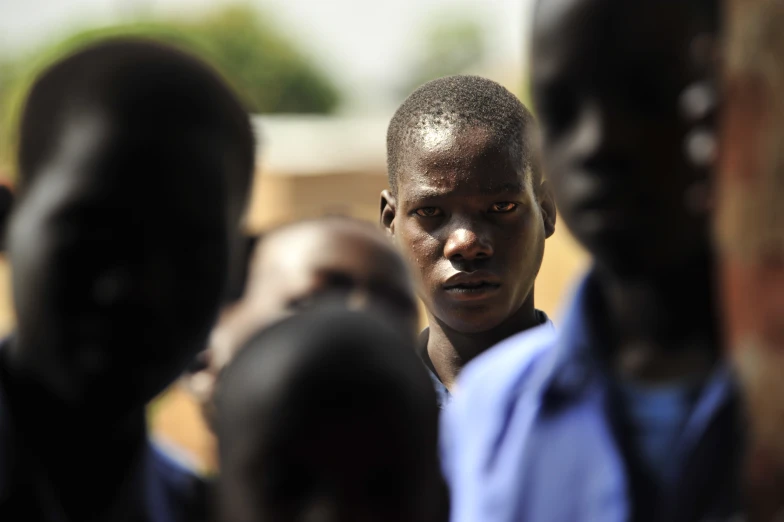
{"type": "Point", "coordinates": [141, 85]}
{"type": "Point", "coordinates": [462, 101]}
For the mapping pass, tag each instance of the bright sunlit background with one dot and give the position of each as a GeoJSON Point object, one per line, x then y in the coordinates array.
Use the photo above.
{"type": "Point", "coordinates": [373, 52]}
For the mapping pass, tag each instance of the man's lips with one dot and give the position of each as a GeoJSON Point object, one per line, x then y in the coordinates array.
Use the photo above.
{"type": "Point", "coordinates": [472, 285]}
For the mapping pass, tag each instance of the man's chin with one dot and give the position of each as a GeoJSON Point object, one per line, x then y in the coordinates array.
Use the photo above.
{"type": "Point", "coordinates": [473, 323]}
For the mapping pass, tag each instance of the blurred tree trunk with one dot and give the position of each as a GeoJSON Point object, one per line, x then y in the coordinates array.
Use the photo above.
{"type": "Point", "coordinates": [750, 232]}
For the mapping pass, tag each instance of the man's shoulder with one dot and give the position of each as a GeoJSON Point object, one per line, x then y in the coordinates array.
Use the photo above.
{"type": "Point", "coordinates": [492, 385]}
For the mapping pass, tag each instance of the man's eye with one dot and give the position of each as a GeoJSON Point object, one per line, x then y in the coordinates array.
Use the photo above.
{"type": "Point", "coordinates": [428, 212]}
{"type": "Point", "coordinates": [504, 206]}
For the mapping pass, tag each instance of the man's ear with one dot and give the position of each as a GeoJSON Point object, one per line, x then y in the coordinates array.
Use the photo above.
{"type": "Point", "coordinates": [388, 212]}
{"type": "Point", "coordinates": [547, 207]}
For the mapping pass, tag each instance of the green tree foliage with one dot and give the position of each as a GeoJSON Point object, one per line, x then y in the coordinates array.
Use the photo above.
{"type": "Point", "coordinates": [265, 67]}
{"type": "Point", "coordinates": [272, 73]}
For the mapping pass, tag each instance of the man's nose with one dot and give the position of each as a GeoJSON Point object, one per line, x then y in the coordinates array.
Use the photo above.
{"type": "Point", "coordinates": [468, 241]}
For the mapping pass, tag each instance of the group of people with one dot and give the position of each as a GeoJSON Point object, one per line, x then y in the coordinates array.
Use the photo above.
{"type": "Point", "coordinates": [129, 257]}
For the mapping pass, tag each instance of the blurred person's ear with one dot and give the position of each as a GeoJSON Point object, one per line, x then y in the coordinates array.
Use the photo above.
{"type": "Point", "coordinates": [238, 278]}
{"type": "Point", "coordinates": [388, 212]}
{"type": "Point", "coordinates": [547, 208]}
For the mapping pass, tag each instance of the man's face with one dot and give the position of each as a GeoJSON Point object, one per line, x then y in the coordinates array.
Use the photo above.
{"type": "Point", "coordinates": [119, 251]}
{"type": "Point", "coordinates": [607, 78]}
{"type": "Point", "coordinates": [469, 221]}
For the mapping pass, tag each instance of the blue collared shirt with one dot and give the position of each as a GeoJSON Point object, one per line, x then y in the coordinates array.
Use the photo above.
{"type": "Point", "coordinates": [534, 435]}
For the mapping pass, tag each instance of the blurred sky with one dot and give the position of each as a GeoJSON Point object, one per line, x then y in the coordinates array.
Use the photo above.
{"type": "Point", "coordinates": [367, 45]}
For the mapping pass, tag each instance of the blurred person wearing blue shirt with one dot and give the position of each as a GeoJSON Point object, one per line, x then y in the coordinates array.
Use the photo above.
{"type": "Point", "coordinates": [628, 412]}
{"type": "Point", "coordinates": [135, 161]}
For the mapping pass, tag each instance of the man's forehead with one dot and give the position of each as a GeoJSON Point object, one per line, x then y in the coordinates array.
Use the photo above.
{"type": "Point", "coordinates": [84, 137]}
{"type": "Point", "coordinates": [451, 143]}
{"type": "Point", "coordinates": [437, 137]}
{"type": "Point", "coordinates": [468, 164]}
{"type": "Point", "coordinates": [458, 183]}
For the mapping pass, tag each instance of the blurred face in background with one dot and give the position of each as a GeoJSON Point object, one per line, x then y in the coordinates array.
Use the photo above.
{"type": "Point", "coordinates": [119, 247]}
{"type": "Point", "coordinates": [332, 262]}
{"type": "Point", "coordinates": [608, 83]}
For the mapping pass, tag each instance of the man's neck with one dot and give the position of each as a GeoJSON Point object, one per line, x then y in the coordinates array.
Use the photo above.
{"type": "Point", "coordinates": [450, 350]}
{"type": "Point", "coordinates": [660, 328]}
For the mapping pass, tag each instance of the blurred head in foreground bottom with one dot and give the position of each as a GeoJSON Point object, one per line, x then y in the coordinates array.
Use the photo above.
{"type": "Point", "coordinates": [327, 415]}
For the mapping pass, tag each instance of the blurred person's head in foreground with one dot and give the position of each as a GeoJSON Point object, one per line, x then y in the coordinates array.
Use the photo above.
{"type": "Point", "coordinates": [333, 260]}
{"type": "Point", "coordinates": [469, 207]}
{"type": "Point", "coordinates": [623, 94]}
{"type": "Point", "coordinates": [328, 415]}
{"type": "Point", "coordinates": [135, 160]}
{"type": "Point", "coordinates": [622, 91]}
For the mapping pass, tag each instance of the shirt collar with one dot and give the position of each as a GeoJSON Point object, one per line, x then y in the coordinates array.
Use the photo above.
{"type": "Point", "coordinates": [571, 367]}
{"type": "Point", "coordinates": [575, 363]}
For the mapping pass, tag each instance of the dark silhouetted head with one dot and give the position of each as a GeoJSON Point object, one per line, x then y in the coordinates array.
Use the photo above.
{"type": "Point", "coordinates": [467, 203]}
{"type": "Point", "coordinates": [331, 261]}
{"type": "Point", "coordinates": [609, 79]}
{"type": "Point", "coordinates": [328, 416]}
{"type": "Point", "coordinates": [135, 162]}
